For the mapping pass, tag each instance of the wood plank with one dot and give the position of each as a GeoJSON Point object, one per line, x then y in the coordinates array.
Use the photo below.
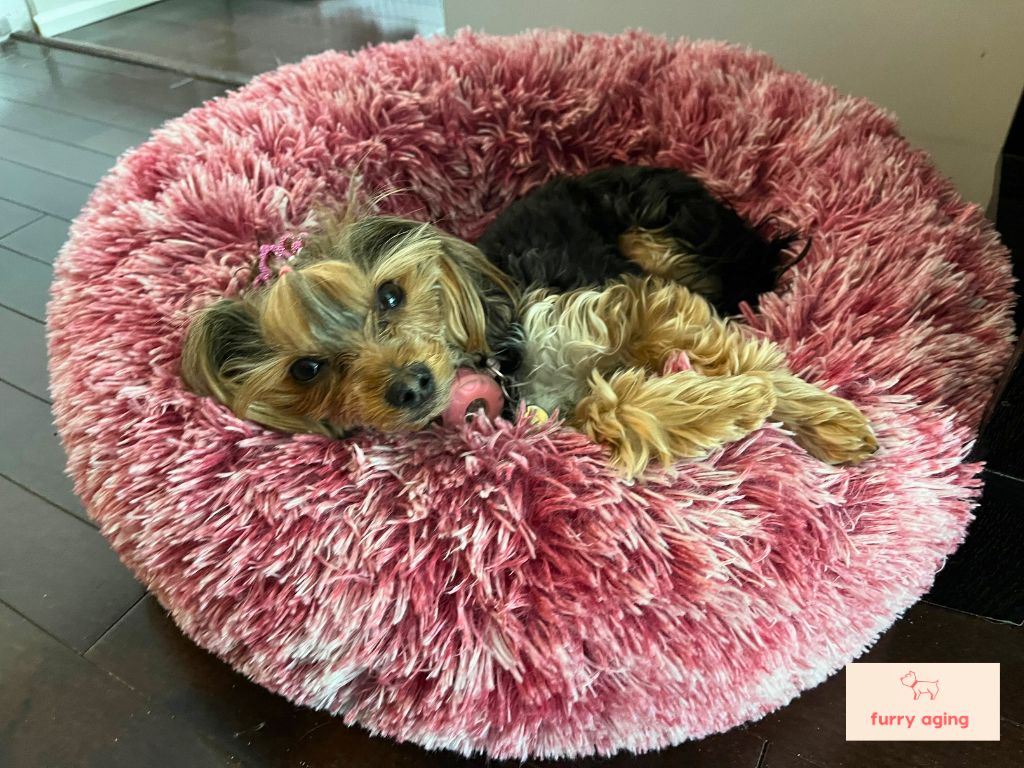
{"type": "Point", "coordinates": [814, 725]}
{"type": "Point", "coordinates": [14, 216]}
{"type": "Point", "coordinates": [77, 131]}
{"type": "Point", "coordinates": [171, 97]}
{"type": "Point", "coordinates": [60, 710]}
{"type": "Point", "coordinates": [736, 749]}
{"type": "Point", "coordinates": [774, 757]}
{"type": "Point", "coordinates": [41, 240]}
{"type": "Point", "coordinates": [320, 21]}
{"type": "Point", "coordinates": [91, 101]}
{"type": "Point", "coordinates": [1008, 752]}
{"type": "Point", "coordinates": [148, 652]}
{"type": "Point", "coordinates": [33, 457]}
{"type": "Point", "coordinates": [44, 192]}
{"type": "Point", "coordinates": [1000, 443]}
{"type": "Point", "coordinates": [25, 286]}
{"type": "Point", "coordinates": [36, 61]}
{"type": "Point", "coordinates": [42, 52]}
{"type": "Point", "coordinates": [186, 69]}
{"type": "Point", "coordinates": [54, 157]}
{"type": "Point", "coordinates": [23, 353]}
{"type": "Point", "coordinates": [1010, 208]}
{"type": "Point", "coordinates": [986, 574]}
{"type": "Point", "coordinates": [98, 65]}
{"type": "Point", "coordinates": [257, 36]}
{"type": "Point", "coordinates": [59, 572]}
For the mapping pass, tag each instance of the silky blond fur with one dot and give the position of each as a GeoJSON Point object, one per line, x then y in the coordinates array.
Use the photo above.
{"type": "Point", "coordinates": [600, 354]}
{"type": "Point", "coordinates": [240, 350]}
{"type": "Point", "coordinates": [659, 255]}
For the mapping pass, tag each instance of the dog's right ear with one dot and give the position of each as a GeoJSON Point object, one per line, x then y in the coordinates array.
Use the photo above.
{"type": "Point", "coordinates": [478, 297]}
{"type": "Point", "coordinates": [221, 343]}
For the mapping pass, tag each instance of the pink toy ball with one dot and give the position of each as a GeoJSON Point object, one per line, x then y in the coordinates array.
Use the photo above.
{"type": "Point", "coordinates": [494, 587]}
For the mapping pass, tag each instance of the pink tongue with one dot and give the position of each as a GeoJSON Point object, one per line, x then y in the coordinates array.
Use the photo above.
{"type": "Point", "coordinates": [472, 391]}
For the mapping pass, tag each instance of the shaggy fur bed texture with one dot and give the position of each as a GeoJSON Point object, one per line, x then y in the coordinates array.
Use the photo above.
{"type": "Point", "coordinates": [495, 587]}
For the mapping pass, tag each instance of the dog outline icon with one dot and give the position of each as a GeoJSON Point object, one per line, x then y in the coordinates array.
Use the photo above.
{"type": "Point", "coordinates": [931, 687]}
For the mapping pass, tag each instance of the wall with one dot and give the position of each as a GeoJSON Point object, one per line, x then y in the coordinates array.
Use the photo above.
{"type": "Point", "coordinates": [951, 70]}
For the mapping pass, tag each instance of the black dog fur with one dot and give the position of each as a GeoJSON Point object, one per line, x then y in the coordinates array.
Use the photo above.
{"type": "Point", "coordinates": [564, 234]}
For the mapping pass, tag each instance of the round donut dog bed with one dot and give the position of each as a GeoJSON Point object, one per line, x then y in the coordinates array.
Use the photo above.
{"type": "Point", "coordinates": [495, 587]}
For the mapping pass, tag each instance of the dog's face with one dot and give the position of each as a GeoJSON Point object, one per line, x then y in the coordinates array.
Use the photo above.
{"type": "Point", "coordinates": [909, 679]}
{"type": "Point", "coordinates": [364, 330]}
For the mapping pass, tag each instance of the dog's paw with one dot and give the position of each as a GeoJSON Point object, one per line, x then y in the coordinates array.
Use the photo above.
{"type": "Point", "coordinates": [836, 432]}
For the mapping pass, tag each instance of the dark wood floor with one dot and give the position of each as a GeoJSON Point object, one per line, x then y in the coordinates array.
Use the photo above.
{"type": "Point", "coordinates": [93, 673]}
{"type": "Point", "coordinates": [252, 36]}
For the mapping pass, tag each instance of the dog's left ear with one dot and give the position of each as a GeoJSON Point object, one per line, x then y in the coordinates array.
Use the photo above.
{"type": "Point", "coordinates": [220, 341]}
{"type": "Point", "coordinates": [478, 297]}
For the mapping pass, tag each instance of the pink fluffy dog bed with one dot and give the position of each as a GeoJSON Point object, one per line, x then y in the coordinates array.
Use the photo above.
{"type": "Point", "coordinates": [495, 588]}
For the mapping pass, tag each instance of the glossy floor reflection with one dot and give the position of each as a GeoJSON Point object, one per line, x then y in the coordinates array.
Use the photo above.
{"type": "Point", "coordinates": [252, 36]}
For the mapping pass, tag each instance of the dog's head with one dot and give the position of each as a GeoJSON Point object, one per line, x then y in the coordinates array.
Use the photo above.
{"type": "Point", "coordinates": [909, 679]}
{"type": "Point", "coordinates": [363, 329]}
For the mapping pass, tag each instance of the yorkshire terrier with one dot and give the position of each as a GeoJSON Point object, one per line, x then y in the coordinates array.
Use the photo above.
{"type": "Point", "coordinates": [582, 298]}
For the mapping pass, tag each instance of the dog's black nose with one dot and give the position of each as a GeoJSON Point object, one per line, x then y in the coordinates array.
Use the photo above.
{"type": "Point", "coordinates": [410, 387]}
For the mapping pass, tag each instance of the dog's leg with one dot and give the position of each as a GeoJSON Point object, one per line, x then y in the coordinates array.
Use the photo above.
{"type": "Point", "coordinates": [662, 318]}
{"type": "Point", "coordinates": [644, 418]}
{"type": "Point", "coordinates": [629, 406]}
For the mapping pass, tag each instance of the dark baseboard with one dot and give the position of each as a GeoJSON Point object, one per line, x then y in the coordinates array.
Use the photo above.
{"type": "Point", "coordinates": [195, 71]}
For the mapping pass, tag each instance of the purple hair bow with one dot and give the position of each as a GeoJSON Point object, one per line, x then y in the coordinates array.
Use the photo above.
{"type": "Point", "coordinates": [285, 249]}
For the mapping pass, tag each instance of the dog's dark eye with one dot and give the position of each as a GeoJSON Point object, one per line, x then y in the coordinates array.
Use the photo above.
{"type": "Point", "coordinates": [390, 296]}
{"type": "Point", "coordinates": [305, 369]}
